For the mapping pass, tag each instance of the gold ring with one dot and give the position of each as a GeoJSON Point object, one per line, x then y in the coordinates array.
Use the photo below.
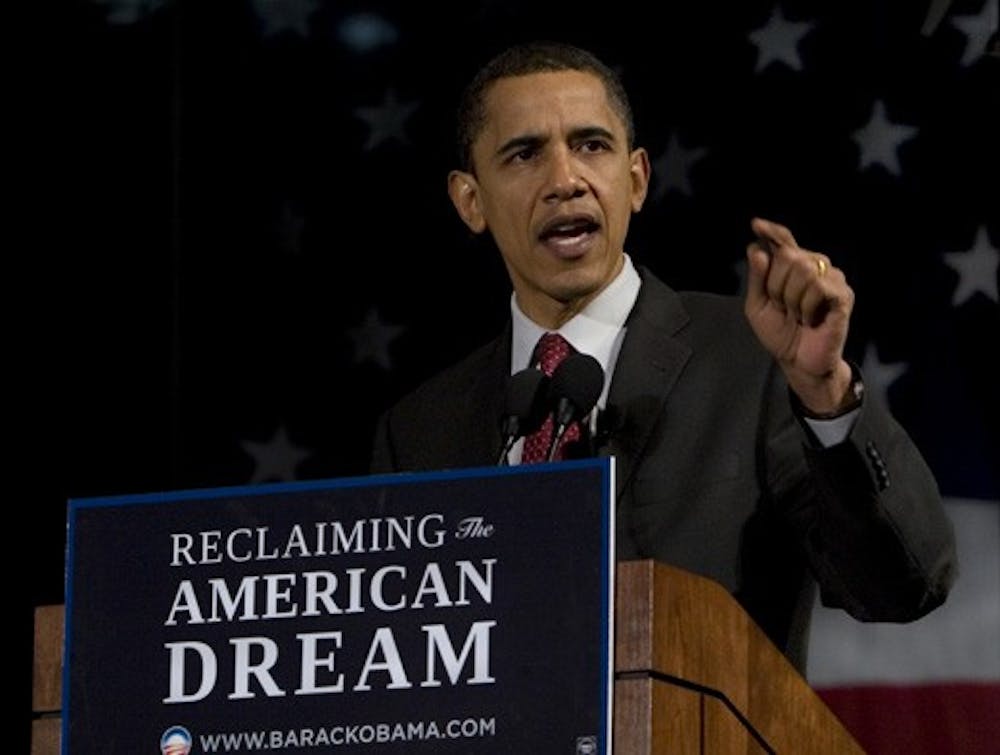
{"type": "Point", "coordinates": [820, 266]}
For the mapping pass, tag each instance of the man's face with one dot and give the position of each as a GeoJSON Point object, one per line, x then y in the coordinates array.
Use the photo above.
{"type": "Point", "coordinates": [556, 185]}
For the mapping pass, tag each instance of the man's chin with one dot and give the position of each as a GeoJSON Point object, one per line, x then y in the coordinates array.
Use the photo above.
{"type": "Point", "coordinates": [571, 286]}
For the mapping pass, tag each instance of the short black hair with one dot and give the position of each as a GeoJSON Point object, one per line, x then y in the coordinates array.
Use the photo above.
{"type": "Point", "coordinates": [521, 60]}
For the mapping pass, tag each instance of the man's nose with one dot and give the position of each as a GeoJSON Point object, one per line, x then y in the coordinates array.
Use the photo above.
{"type": "Point", "coordinates": [564, 175]}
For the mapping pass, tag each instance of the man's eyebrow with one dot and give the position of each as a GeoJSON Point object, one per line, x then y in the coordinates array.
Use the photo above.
{"type": "Point", "coordinates": [518, 143]}
{"type": "Point", "coordinates": [589, 132]}
{"type": "Point", "coordinates": [533, 141]}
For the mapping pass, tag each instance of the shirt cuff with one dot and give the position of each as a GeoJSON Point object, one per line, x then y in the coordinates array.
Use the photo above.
{"type": "Point", "coordinates": [830, 432]}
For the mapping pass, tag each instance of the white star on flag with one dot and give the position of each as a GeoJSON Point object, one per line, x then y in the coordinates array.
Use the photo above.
{"type": "Point", "coordinates": [977, 28]}
{"type": "Point", "coordinates": [275, 459]}
{"type": "Point", "coordinates": [976, 268]}
{"type": "Point", "coordinates": [386, 121]}
{"type": "Point", "coordinates": [778, 41]}
{"type": "Point", "coordinates": [672, 169]}
{"type": "Point", "coordinates": [878, 375]}
{"type": "Point", "coordinates": [879, 140]}
{"type": "Point", "coordinates": [372, 340]}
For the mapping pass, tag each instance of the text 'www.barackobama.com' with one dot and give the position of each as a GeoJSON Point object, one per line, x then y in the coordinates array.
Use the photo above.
{"type": "Point", "coordinates": [348, 735]}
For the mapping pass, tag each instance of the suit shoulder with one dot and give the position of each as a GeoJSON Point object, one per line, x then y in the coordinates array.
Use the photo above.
{"type": "Point", "coordinates": [706, 303]}
{"type": "Point", "coordinates": [454, 380]}
{"type": "Point", "coordinates": [720, 319]}
{"type": "Point", "coordinates": [661, 301]}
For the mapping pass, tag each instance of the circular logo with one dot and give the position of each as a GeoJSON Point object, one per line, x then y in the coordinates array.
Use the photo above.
{"type": "Point", "coordinates": [175, 741]}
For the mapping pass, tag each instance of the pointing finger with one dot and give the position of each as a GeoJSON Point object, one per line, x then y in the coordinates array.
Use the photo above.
{"type": "Point", "coordinates": [774, 234]}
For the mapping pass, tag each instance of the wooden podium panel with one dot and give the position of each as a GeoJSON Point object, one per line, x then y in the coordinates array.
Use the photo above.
{"type": "Point", "coordinates": [46, 689]}
{"type": "Point", "coordinates": [680, 636]}
{"type": "Point", "coordinates": [693, 676]}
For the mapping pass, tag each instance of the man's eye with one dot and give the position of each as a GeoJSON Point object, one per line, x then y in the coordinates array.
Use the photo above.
{"type": "Point", "coordinates": [593, 145]}
{"type": "Point", "coordinates": [523, 155]}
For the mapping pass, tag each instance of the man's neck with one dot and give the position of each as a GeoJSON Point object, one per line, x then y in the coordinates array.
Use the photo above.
{"type": "Point", "coordinates": [552, 314]}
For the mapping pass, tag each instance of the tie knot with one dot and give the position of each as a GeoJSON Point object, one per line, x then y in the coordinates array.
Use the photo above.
{"type": "Point", "coordinates": [550, 351]}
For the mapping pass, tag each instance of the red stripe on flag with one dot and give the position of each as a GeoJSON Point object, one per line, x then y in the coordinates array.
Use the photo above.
{"type": "Point", "coordinates": [929, 719]}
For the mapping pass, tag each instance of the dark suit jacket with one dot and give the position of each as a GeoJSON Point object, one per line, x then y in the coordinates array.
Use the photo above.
{"type": "Point", "coordinates": [715, 474]}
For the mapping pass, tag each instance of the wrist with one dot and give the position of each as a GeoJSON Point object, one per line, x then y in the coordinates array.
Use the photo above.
{"type": "Point", "coordinates": [850, 399]}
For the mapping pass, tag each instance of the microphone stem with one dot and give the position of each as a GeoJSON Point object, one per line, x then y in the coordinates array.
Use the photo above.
{"type": "Point", "coordinates": [503, 461]}
{"type": "Point", "coordinates": [557, 432]}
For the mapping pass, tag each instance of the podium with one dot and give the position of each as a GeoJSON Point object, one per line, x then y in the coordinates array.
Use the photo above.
{"type": "Point", "coordinates": [693, 674]}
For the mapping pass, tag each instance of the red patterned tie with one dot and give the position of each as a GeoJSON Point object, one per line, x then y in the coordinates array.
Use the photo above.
{"type": "Point", "coordinates": [552, 348]}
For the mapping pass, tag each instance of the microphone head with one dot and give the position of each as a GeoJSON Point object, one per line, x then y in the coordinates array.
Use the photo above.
{"type": "Point", "coordinates": [525, 403]}
{"type": "Point", "coordinates": [575, 386]}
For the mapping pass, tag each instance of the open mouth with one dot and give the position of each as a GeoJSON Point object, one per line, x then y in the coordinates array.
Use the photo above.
{"type": "Point", "coordinates": [568, 229]}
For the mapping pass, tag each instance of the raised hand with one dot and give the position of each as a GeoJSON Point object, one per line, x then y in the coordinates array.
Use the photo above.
{"type": "Point", "coordinates": [799, 305]}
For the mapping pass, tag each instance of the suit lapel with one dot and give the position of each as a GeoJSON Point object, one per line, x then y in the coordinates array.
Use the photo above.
{"type": "Point", "coordinates": [486, 401]}
{"type": "Point", "coordinates": [650, 361]}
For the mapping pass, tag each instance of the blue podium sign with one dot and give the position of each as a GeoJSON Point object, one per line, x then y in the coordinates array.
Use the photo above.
{"type": "Point", "coordinates": [453, 612]}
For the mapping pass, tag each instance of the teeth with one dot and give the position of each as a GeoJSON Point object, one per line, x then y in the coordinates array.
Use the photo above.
{"type": "Point", "coordinates": [567, 228]}
{"type": "Point", "coordinates": [574, 227]}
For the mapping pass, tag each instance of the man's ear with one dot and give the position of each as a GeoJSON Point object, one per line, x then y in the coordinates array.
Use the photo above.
{"type": "Point", "coordinates": [464, 192]}
{"type": "Point", "coordinates": [640, 170]}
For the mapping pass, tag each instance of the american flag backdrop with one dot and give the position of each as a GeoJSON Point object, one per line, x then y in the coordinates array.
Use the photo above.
{"type": "Point", "coordinates": [254, 254]}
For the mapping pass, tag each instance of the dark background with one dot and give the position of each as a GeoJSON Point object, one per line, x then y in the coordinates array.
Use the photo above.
{"type": "Point", "coordinates": [235, 256]}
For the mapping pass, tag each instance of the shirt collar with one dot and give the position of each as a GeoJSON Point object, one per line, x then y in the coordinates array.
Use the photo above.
{"type": "Point", "coordinates": [594, 330]}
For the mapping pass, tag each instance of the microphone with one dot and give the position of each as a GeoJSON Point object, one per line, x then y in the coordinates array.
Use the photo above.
{"type": "Point", "coordinates": [525, 408]}
{"type": "Point", "coordinates": [574, 389]}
